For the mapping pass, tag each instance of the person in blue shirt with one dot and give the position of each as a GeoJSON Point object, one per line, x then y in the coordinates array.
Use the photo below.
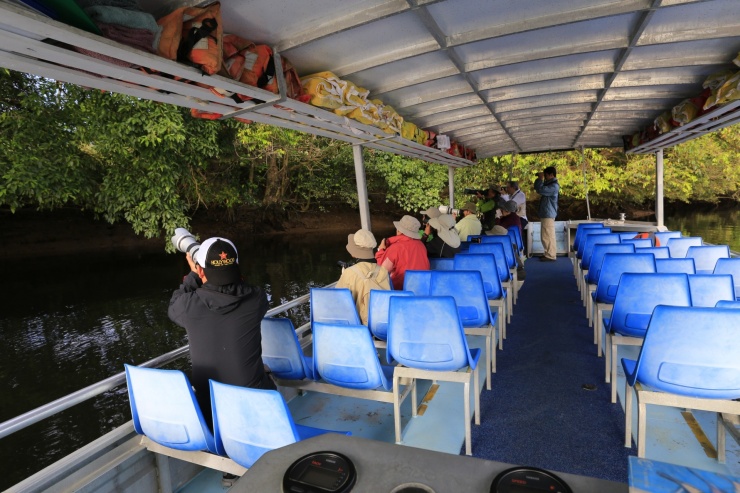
{"type": "Point", "coordinates": [548, 187]}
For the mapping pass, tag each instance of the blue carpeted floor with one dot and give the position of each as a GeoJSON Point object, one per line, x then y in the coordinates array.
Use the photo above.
{"type": "Point", "coordinates": [538, 412]}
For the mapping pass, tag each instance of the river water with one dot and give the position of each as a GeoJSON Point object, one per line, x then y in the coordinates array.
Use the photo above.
{"type": "Point", "coordinates": [70, 322]}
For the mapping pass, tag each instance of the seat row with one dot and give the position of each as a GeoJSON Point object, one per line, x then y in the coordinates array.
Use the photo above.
{"type": "Point", "coordinates": [424, 339]}
{"type": "Point", "coordinates": [246, 422]}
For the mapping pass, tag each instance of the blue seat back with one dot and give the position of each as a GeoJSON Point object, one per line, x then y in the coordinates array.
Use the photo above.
{"type": "Point", "coordinates": [639, 294]}
{"type": "Point", "coordinates": [586, 234]}
{"type": "Point", "coordinates": [516, 237]}
{"type": "Point", "coordinates": [345, 355]}
{"type": "Point", "coordinates": [249, 422]}
{"type": "Point", "coordinates": [639, 242]}
{"type": "Point", "coordinates": [164, 408]}
{"type": "Point", "coordinates": [679, 246]}
{"type": "Point", "coordinates": [708, 289]}
{"type": "Point", "coordinates": [597, 258]}
{"type": "Point", "coordinates": [333, 306]}
{"type": "Point", "coordinates": [418, 282]}
{"type": "Point", "coordinates": [658, 252]}
{"type": "Point", "coordinates": [504, 240]}
{"type": "Point", "coordinates": [728, 304]}
{"type": "Point", "coordinates": [706, 256]}
{"type": "Point", "coordinates": [485, 263]}
{"type": "Point", "coordinates": [675, 266]}
{"type": "Point", "coordinates": [591, 241]}
{"type": "Point", "coordinates": [730, 266]}
{"type": "Point", "coordinates": [282, 352]}
{"type": "Point", "coordinates": [580, 230]}
{"type": "Point", "coordinates": [441, 263]}
{"type": "Point", "coordinates": [497, 250]}
{"type": "Point", "coordinates": [664, 236]}
{"type": "Point", "coordinates": [426, 333]}
{"type": "Point", "coordinates": [627, 235]}
{"type": "Point", "coordinates": [466, 287]}
{"type": "Point", "coordinates": [692, 352]}
{"type": "Point", "coordinates": [377, 312]}
{"type": "Point", "coordinates": [612, 268]}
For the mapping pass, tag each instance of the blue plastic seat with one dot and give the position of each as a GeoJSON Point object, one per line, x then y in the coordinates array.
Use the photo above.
{"type": "Point", "coordinates": [639, 242]}
{"type": "Point", "coordinates": [679, 246]}
{"type": "Point", "coordinates": [333, 306]}
{"type": "Point", "coordinates": [706, 256]}
{"type": "Point", "coordinates": [689, 359]}
{"type": "Point", "coordinates": [664, 236]}
{"type": "Point", "coordinates": [658, 252]}
{"type": "Point", "coordinates": [516, 238]}
{"type": "Point", "coordinates": [511, 258]}
{"type": "Point", "coordinates": [675, 266]}
{"type": "Point", "coordinates": [418, 282]}
{"type": "Point", "coordinates": [594, 271]}
{"type": "Point", "coordinates": [427, 338]}
{"type": "Point", "coordinates": [282, 352]}
{"type": "Point", "coordinates": [249, 422]}
{"type": "Point", "coordinates": [466, 288]}
{"type": "Point", "coordinates": [504, 272]}
{"type": "Point", "coordinates": [580, 230]}
{"type": "Point", "coordinates": [728, 304]}
{"type": "Point", "coordinates": [378, 307]}
{"type": "Point", "coordinates": [579, 250]}
{"type": "Point", "coordinates": [485, 263]}
{"type": "Point", "coordinates": [344, 355]}
{"type": "Point", "coordinates": [627, 235]}
{"type": "Point", "coordinates": [730, 266]}
{"type": "Point", "coordinates": [164, 408]}
{"type": "Point", "coordinates": [589, 242]}
{"type": "Point", "coordinates": [612, 268]}
{"type": "Point", "coordinates": [637, 296]}
{"type": "Point", "coordinates": [708, 289]}
{"type": "Point", "coordinates": [440, 263]}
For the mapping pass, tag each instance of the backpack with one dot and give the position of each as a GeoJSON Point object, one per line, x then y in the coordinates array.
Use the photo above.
{"type": "Point", "coordinates": [369, 282]}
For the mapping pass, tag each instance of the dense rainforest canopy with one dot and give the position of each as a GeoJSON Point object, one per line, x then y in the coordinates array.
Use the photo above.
{"type": "Point", "coordinates": [153, 165]}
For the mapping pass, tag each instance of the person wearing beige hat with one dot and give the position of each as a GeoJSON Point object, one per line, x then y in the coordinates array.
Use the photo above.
{"type": "Point", "coordinates": [509, 217]}
{"type": "Point", "coordinates": [365, 274]}
{"type": "Point", "coordinates": [469, 225]}
{"type": "Point", "coordinates": [403, 252]}
{"type": "Point", "coordinates": [445, 242]}
{"type": "Point", "coordinates": [426, 215]}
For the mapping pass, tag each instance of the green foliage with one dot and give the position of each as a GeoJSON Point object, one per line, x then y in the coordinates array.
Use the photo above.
{"type": "Point", "coordinates": [153, 165]}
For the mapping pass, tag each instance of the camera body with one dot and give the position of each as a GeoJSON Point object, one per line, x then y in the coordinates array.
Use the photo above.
{"type": "Point", "coordinates": [185, 242]}
{"type": "Point", "coordinates": [343, 264]}
{"type": "Point", "coordinates": [473, 191]}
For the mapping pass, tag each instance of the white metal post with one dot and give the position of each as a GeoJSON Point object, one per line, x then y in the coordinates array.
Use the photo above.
{"type": "Point", "coordinates": [451, 181]}
{"type": "Point", "coordinates": [659, 188]}
{"type": "Point", "coordinates": [362, 198]}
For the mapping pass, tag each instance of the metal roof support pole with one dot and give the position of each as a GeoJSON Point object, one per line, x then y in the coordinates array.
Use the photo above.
{"type": "Point", "coordinates": [585, 184]}
{"type": "Point", "coordinates": [659, 188]}
{"type": "Point", "coordinates": [451, 181]}
{"type": "Point", "coordinates": [361, 187]}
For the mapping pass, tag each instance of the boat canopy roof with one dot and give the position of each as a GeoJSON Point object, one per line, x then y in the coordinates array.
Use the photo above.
{"type": "Point", "coordinates": [497, 76]}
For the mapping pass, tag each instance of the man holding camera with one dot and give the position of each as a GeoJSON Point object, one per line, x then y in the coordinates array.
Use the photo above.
{"type": "Point", "coordinates": [548, 187]}
{"type": "Point", "coordinates": [469, 225]}
{"type": "Point", "coordinates": [222, 315]}
{"type": "Point", "coordinates": [487, 205]}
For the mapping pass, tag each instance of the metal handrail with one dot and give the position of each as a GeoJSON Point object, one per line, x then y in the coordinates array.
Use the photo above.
{"type": "Point", "coordinates": [34, 416]}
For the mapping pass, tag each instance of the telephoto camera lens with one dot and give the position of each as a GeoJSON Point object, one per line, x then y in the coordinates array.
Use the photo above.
{"type": "Point", "coordinates": [184, 241]}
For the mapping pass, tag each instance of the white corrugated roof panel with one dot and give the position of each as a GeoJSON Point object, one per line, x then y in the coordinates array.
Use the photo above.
{"type": "Point", "coordinates": [496, 75]}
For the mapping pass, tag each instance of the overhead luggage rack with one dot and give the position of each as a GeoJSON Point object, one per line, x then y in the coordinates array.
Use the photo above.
{"type": "Point", "coordinates": [33, 43]}
{"type": "Point", "coordinates": [709, 122]}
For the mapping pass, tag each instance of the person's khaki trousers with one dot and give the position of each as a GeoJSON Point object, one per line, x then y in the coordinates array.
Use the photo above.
{"type": "Point", "coordinates": [547, 237]}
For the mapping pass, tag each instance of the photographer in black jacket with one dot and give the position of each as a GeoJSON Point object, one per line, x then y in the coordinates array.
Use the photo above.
{"type": "Point", "coordinates": [222, 315]}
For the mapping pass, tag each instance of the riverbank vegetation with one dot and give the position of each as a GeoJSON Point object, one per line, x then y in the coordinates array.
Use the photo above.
{"type": "Point", "coordinates": [153, 166]}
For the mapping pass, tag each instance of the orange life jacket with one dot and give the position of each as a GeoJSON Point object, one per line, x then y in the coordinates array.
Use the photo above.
{"type": "Point", "coordinates": [193, 35]}
{"type": "Point", "coordinates": [649, 236]}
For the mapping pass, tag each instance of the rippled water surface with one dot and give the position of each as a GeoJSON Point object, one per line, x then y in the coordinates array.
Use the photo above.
{"type": "Point", "coordinates": [70, 322]}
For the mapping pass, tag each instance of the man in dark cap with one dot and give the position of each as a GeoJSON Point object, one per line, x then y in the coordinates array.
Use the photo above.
{"type": "Point", "coordinates": [222, 315]}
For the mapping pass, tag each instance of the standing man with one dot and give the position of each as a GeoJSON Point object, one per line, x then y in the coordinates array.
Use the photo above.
{"type": "Point", "coordinates": [222, 315]}
{"type": "Point", "coordinates": [548, 187]}
{"type": "Point", "coordinates": [403, 252]}
{"type": "Point", "coordinates": [469, 225]}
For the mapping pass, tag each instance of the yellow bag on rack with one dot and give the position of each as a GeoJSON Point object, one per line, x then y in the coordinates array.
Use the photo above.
{"type": "Point", "coordinates": [729, 90]}
{"type": "Point", "coordinates": [353, 97]}
{"type": "Point", "coordinates": [408, 130]}
{"type": "Point", "coordinates": [323, 90]}
{"type": "Point", "coordinates": [367, 114]}
{"type": "Point", "coordinates": [684, 112]}
{"type": "Point", "coordinates": [390, 121]}
{"type": "Point", "coordinates": [663, 122]}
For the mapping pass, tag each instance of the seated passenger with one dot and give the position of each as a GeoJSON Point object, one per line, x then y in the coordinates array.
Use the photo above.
{"type": "Point", "coordinates": [365, 274]}
{"type": "Point", "coordinates": [403, 252]}
{"type": "Point", "coordinates": [469, 225]}
{"type": "Point", "coordinates": [444, 239]}
{"type": "Point", "coordinates": [509, 217]}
